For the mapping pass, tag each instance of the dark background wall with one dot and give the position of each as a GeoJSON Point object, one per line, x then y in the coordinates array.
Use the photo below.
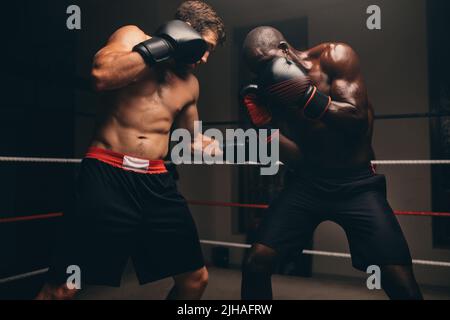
{"type": "Point", "coordinates": [36, 119]}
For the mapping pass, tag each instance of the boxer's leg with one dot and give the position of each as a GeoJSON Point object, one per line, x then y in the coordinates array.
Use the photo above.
{"type": "Point", "coordinates": [375, 238]}
{"type": "Point", "coordinates": [167, 242]}
{"type": "Point", "coordinates": [189, 286]}
{"type": "Point", "coordinates": [257, 272]}
{"type": "Point", "coordinates": [287, 227]}
{"type": "Point", "coordinates": [399, 283]}
{"type": "Point", "coordinates": [56, 292]}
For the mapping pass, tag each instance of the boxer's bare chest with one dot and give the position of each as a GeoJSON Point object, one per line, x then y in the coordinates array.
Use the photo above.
{"type": "Point", "coordinates": [152, 104]}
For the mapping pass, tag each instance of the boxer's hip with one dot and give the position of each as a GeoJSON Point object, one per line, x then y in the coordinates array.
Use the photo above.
{"type": "Point", "coordinates": [339, 181]}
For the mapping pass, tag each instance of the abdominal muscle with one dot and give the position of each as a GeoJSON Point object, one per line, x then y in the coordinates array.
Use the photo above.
{"type": "Point", "coordinates": [135, 121]}
{"type": "Point", "coordinates": [145, 145]}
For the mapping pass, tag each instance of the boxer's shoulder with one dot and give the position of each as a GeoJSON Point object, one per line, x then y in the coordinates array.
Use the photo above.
{"type": "Point", "coordinates": [184, 84]}
{"type": "Point", "coordinates": [338, 57]}
{"type": "Point", "coordinates": [128, 34]}
{"type": "Point", "coordinates": [193, 84]}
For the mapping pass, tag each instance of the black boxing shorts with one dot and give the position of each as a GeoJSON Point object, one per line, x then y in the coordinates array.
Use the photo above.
{"type": "Point", "coordinates": [125, 207]}
{"type": "Point", "coordinates": [353, 198]}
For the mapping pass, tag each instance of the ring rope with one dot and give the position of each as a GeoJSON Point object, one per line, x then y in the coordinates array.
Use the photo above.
{"type": "Point", "coordinates": [32, 217]}
{"type": "Point", "coordinates": [77, 161]}
{"type": "Point", "coordinates": [39, 160]}
{"type": "Point", "coordinates": [411, 162]}
{"type": "Point", "coordinates": [215, 204]}
{"type": "Point", "coordinates": [243, 246]}
{"type": "Point", "coordinates": [323, 253]}
{"type": "Point", "coordinates": [24, 276]}
{"type": "Point", "coordinates": [266, 206]}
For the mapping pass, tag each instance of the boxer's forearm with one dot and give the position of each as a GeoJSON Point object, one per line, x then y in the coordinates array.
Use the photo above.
{"type": "Point", "coordinates": [116, 70]}
{"type": "Point", "coordinates": [289, 151]}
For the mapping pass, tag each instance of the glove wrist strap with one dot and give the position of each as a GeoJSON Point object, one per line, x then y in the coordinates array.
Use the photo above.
{"type": "Point", "coordinates": [154, 50]}
{"type": "Point", "coordinates": [316, 105]}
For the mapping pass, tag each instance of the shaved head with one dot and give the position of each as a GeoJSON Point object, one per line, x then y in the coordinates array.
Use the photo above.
{"type": "Point", "coordinates": [261, 44]}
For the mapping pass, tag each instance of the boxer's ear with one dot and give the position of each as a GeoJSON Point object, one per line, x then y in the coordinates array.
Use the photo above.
{"type": "Point", "coordinates": [284, 46]}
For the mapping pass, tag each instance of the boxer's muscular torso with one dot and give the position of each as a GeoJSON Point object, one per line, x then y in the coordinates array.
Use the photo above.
{"type": "Point", "coordinates": [321, 143]}
{"type": "Point", "coordinates": [136, 120]}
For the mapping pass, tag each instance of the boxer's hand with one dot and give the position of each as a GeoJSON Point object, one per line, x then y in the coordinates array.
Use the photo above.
{"type": "Point", "coordinates": [175, 39]}
{"type": "Point", "coordinates": [289, 86]}
{"type": "Point", "coordinates": [206, 145]}
{"type": "Point", "coordinates": [258, 112]}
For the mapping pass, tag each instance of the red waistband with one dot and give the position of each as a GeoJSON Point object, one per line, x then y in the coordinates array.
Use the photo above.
{"type": "Point", "coordinates": [127, 162]}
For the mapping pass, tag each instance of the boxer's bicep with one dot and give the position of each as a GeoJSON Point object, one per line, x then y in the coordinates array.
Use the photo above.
{"type": "Point", "coordinates": [347, 90]}
{"type": "Point", "coordinates": [350, 91]}
{"type": "Point", "coordinates": [116, 65]}
{"type": "Point", "coordinates": [349, 107]}
{"type": "Point", "coordinates": [120, 43]}
{"type": "Point", "coordinates": [349, 103]}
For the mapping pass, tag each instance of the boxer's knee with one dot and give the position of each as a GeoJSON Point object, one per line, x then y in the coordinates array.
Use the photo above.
{"type": "Point", "coordinates": [399, 283]}
{"type": "Point", "coordinates": [56, 292]}
{"type": "Point", "coordinates": [193, 281]}
{"type": "Point", "coordinates": [261, 260]}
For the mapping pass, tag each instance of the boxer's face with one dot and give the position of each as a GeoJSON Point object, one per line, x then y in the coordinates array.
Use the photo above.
{"type": "Point", "coordinates": [256, 60]}
{"type": "Point", "coordinates": [211, 40]}
{"type": "Point", "coordinates": [260, 57]}
{"type": "Point", "coordinates": [283, 50]}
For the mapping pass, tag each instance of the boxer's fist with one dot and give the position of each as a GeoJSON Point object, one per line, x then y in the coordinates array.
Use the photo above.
{"type": "Point", "coordinates": [175, 39]}
{"type": "Point", "coordinates": [284, 82]}
{"type": "Point", "coordinates": [287, 85]}
{"type": "Point", "coordinates": [258, 112]}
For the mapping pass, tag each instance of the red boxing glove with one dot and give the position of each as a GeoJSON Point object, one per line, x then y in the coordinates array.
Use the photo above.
{"type": "Point", "coordinates": [259, 114]}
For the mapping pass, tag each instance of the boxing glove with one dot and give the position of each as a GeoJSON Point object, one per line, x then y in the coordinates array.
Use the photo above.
{"type": "Point", "coordinates": [285, 84]}
{"type": "Point", "coordinates": [175, 39]}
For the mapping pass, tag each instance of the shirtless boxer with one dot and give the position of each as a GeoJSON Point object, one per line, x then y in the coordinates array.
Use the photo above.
{"type": "Point", "coordinates": [319, 94]}
{"type": "Point", "coordinates": [127, 204]}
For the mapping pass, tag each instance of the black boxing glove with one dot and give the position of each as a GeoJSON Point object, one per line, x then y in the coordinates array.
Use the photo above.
{"type": "Point", "coordinates": [175, 39]}
{"type": "Point", "coordinates": [285, 83]}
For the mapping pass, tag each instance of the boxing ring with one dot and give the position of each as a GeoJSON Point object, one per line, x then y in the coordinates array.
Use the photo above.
{"type": "Point", "coordinates": [206, 203]}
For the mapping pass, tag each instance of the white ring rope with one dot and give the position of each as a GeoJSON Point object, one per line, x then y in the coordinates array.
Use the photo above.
{"type": "Point", "coordinates": [39, 160]}
{"type": "Point", "coordinates": [323, 253]}
{"type": "Point", "coordinates": [410, 162]}
{"type": "Point", "coordinates": [243, 246]}
{"type": "Point", "coordinates": [76, 161]}
{"type": "Point", "coordinates": [24, 276]}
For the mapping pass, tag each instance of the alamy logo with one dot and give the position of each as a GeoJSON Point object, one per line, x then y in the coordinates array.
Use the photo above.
{"type": "Point", "coordinates": [374, 280]}
{"type": "Point", "coordinates": [74, 280]}
{"type": "Point", "coordinates": [73, 22]}
{"type": "Point", "coordinates": [240, 145]}
{"type": "Point", "coordinates": [374, 20]}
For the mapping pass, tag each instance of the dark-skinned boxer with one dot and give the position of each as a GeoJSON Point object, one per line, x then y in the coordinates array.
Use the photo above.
{"type": "Point", "coordinates": [320, 96]}
{"type": "Point", "coordinates": [127, 203]}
